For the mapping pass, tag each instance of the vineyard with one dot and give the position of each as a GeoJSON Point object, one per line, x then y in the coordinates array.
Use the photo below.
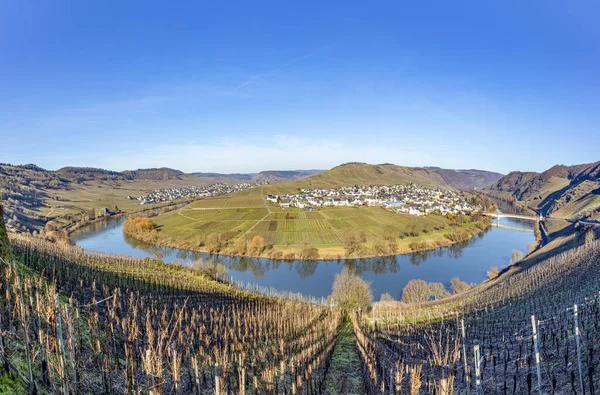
{"type": "Point", "coordinates": [109, 324]}
{"type": "Point", "coordinates": [238, 217]}
{"type": "Point", "coordinates": [75, 322]}
{"type": "Point", "coordinates": [534, 331]}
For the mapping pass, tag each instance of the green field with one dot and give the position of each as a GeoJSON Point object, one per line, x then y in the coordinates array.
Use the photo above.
{"type": "Point", "coordinates": [246, 215]}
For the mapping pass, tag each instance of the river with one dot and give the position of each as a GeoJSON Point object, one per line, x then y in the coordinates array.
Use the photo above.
{"type": "Point", "coordinates": [468, 260]}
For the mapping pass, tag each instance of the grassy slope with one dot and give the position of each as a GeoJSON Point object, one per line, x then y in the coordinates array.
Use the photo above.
{"type": "Point", "coordinates": [364, 174]}
{"type": "Point", "coordinates": [99, 194]}
{"type": "Point", "coordinates": [344, 374]}
{"type": "Point", "coordinates": [578, 208]}
{"type": "Point", "coordinates": [553, 185]}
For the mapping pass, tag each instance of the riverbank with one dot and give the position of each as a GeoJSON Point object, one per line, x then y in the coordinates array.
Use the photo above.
{"type": "Point", "coordinates": [469, 260]}
{"type": "Point", "coordinates": [75, 226]}
{"type": "Point", "coordinates": [311, 252]}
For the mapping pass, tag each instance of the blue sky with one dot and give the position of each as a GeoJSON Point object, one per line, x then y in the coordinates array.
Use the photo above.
{"type": "Point", "coordinates": [249, 86]}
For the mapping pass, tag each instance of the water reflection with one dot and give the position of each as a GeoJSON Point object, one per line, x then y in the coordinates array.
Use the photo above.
{"type": "Point", "coordinates": [468, 260]}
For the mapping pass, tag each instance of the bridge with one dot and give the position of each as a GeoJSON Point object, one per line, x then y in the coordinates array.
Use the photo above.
{"type": "Point", "coordinates": [516, 216]}
{"type": "Point", "coordinates": [497, 225]}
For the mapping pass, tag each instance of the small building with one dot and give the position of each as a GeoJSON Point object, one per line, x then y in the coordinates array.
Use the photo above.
{"type": "Point", "coordinates": [395, 204]}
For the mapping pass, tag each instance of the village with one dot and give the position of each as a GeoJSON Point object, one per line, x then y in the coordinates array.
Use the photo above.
{"type": "Point", "coordinates": [409, 199]}
{"type": "Point", "coordinates": [171, 194]}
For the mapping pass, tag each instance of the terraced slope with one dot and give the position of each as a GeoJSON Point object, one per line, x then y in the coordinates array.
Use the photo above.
{"type": "Point", "coordinates": [563, 191]}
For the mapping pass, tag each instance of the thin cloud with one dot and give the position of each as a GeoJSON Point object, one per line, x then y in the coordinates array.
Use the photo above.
{"type": "Point", "coordinates": [256, 77]}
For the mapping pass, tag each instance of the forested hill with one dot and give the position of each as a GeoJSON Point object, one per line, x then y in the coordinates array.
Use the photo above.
{"type": "Point", "coordinates": [389, 174]}
{"type": "Point", "coordinates": [90, 174]}
{"type": "Point", "coordinates": [561, 191]}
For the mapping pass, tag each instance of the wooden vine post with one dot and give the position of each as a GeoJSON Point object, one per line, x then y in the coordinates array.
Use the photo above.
{"type": "Point", "coordinates": [61, 347]}
{"type": "Point", "coordinates": [464, 349]}
{"type": "Point", "coordinates": [217, 379]}
{"type": "Point", "coordinates": [476, 352]}
{"type": "Point", "coordinates": [537, 353]}
{"type": "Point", "coordinates": [576, 322]}
{"type": "Point", "coordinates": [26, 330]}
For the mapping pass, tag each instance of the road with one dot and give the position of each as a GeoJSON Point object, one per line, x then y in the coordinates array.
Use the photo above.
{"type": "Point", "coordinates": [263, 218]}
{"type": "Point", "coordinates": [502, 215]}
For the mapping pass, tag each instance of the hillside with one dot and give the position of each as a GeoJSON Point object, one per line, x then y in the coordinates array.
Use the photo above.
{"type": "Point", "coordinates": [143, 314]}
{"type": "Point", "coordinates": [467, 179]}
{"type": "Point", "coordinates": [389, 174]}
{"type": "Point", "coordinates": [35, 196]}
{"type": "Point", "coordinates": [163, 173]}
{"type": "Point", "coordinates": [280, 175]}
{"type": "Point", "coordinates": [226, 176]}
{"type": "Point", "coordinates": [269, 175]}
{"type": "Point", "coordinates": [80, 174]}
{"type": "Point", "coordinates": [561, 191]}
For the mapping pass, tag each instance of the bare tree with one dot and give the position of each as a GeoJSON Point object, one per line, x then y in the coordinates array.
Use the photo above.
{"type": "Point", "coordinates": [493, 272]}
{"type": "Point", "coordinates": [437, 291]}
{"type": "Point", "coordinates": [516, 256]}
{"type": "Point", "coordinates": [416, 291]}
{"type": "Point", "coordinates": [351, 293]}
{"type": "Point", "coordinates": [457, 285]}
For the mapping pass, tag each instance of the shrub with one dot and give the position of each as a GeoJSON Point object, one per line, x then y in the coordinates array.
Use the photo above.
{"type": "Point", "coordinates": [516, 256]}
{"type": "Point", "coordinates": [5, 251]}
{"type": "Point", "coordinates": [419, 245]}
{"type": "Point", "coordinates": [437, 291]}
{"type": "Point", "coordinates": [352, 243]}
{"type": "Point", "coordinates": [492, 272]}
{"type": "Point", "coordinates": [241, 246]}
{"type": "Point", "coordinates": [309, 253]}
{"type": "Point", "coordinates": [417, 291]}
{"type": "Point", "coordinates": [381, 247]}
{"type": "Point", "coordinates": [257, 245]}
{"type": "Point", "coordinates": [386, 297]}
{"type": "Point", "coordinates": [214, 242]}
{"type": "Point", "coordinates": [134, 225]}
{"type": "Point", "coordinates": [457, 285]}
{"type": "Point", "coordinates": [58, 237]}
{"type": "Point", "coordinates": [276, 254]}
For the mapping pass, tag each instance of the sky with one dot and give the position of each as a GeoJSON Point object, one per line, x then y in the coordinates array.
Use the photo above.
{"type": "Point", "coordinates": [245, 86]}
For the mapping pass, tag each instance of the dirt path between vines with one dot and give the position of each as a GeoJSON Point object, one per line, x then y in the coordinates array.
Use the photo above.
{"type": "Point", "coordinates": [345, 373]}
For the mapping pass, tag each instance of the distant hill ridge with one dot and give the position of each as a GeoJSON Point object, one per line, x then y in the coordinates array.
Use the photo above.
{"type": "Point", "coordinates": [269, 175]}
{"type": "Point", "coordinates": [346, 174]}
{"type": "Point", "coordinates": [90, 173]}
{"type": "Point", "coordinates": [356, 173]}
{"type": "Point", "coordinates": [563, 191]}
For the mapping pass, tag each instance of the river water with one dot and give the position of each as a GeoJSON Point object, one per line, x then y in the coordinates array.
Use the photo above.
{"type": "Point", "coordinates": [468, 260]}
